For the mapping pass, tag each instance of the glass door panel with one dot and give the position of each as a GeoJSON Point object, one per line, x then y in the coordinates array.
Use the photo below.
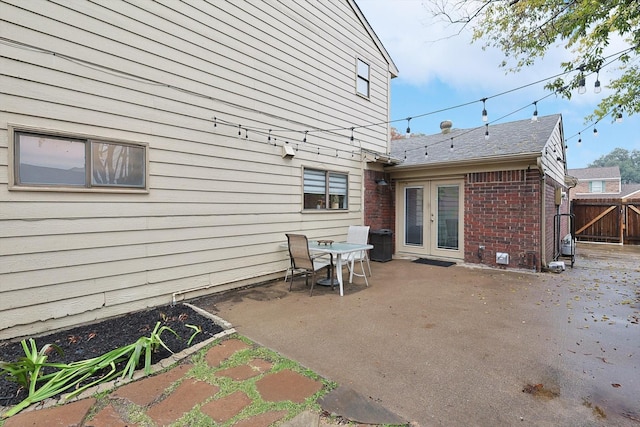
{"type": "Point", "coordinates": [413, 215]}
{"type": "Point", "coordinates": [448, 202]}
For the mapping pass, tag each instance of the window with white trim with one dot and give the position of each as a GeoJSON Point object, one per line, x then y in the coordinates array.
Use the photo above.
{"type": "Point", "coordinates": [596, 186]}
{"type": "Point", "coordinates": [325, 189]}
{"type": "Point", "coordinates": [42, 160]}
{"type": "Point", "coordinates": [362, 78]}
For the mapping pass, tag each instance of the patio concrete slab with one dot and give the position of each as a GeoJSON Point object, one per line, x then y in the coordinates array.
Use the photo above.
{"type": "Point", "coordinates": [443, 346]}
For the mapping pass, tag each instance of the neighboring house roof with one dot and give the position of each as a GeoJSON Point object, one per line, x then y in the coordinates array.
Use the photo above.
{"type": "Point", "coordinates": [514, 139]}
{"type": "Point", "coordinates": [630, 191]}
{"type": "Point", "coordinates": [589, 174]}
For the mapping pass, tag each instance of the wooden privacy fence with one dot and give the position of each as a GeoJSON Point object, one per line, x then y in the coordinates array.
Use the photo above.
{"type": "Point", "coordinates": [607, 220]}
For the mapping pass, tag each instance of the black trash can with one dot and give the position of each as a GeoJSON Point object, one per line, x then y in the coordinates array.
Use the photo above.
{"type": "Point", "coordinates": [382, 245]}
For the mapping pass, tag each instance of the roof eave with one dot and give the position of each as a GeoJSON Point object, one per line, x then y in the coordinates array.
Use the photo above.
{"type": "Point", "coordinates": [522, 157]}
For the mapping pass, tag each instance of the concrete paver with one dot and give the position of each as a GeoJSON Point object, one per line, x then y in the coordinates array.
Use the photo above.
{"type": "Point", "coordinates": [109, 417]}
{"type": "Point", "coordinates": [287, 385]}
{"type": "Point", "coordinates": [70, 414]}
{"type": "Point", "coordinates": [243, 372]}
{"type": "Point", "coordinates": [188, 394]}
{"type": "Point", "coordinates": [223, 409]}
{"type": "Point", "coordinates": [262, 420]}
{"type": "Point", "coordinates": [143, 392]}
{"type": "Point", "coordinates": [226, 349]}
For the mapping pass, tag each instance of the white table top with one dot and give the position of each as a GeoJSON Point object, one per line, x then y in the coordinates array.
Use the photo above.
{"type": "Point", "coordinates": [338, 248]}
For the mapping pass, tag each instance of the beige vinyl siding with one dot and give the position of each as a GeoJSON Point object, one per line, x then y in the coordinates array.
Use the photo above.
{"type": "Point", "coordinates": [554, 149]}
{"type": "Point", "coordinates": [218, 204]}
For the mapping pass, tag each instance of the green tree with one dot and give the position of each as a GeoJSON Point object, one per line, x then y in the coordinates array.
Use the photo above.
{"type": "Point", "coordinates": [525, 30]}
{"type": "Point", "coordinates": [628, 162]}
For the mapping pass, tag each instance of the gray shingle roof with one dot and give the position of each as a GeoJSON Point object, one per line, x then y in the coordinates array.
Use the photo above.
{"type": "Point", "coordinates": [508, 139]}
{"type": "Point", "coordinates": [586, 174]}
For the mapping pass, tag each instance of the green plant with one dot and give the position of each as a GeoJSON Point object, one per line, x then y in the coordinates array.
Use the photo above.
{"type": "Point", "coordinates": [27, 371]}
{"type": "Point", "coordinates": [197, 330]}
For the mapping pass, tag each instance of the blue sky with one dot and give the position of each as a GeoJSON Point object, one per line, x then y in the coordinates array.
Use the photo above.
{"type": "Point", "coordinates": [439, 69]}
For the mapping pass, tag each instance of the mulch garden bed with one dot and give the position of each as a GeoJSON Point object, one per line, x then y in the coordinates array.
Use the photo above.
{"type": "Point", "coordinates": [88, 341]}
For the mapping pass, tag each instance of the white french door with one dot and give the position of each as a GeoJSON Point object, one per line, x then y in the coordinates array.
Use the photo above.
{"type": "Point", "coordinates": [431, 221]}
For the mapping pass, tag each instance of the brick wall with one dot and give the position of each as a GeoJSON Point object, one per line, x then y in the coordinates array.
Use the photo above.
{"type": "Point", "coordinates": [379, 207]}
{"type": "Point", "coordinates": [502, 212]}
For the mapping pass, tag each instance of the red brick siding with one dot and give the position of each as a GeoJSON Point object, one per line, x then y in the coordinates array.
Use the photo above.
{"type": "Point", "coordinates": [502, 213]}
{"type": "Point", "coordinates": [379, 206]}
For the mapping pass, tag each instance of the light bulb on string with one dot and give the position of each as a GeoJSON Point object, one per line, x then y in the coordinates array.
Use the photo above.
{"type": "Point", "coordinates": [619, 115]}
{"type": "Point", "coordinates": [596, 86]}
{"type": "Point", "coordinates": [239, 130]}
{"type": "Point", "coordinates": [426, 152]}
{"type": "Point", "coordinates": [534, 118]}
{"type": "Point", "coordinates": [215, 122]}
{"type": "Point", "coordinates": [582, 84]}
{"type": "Point", "coordinates": [595, 132]}
{"type": "Point", "coordinates": [451, 148]}
{"type": "Point", "coordinates": [269, 137]}
{"type": "Point", "coordinates": [305, 136]}
{"type": "Point", "coordinates": [485, 116]}
{"type": "Point", "coordinates": [579, 139]}
{"type": "Point", "coordinates": [486, 131]}
{"type": "Point", "coordinates": [405, 155]}
{"type": "Point", "coordinates": [351, 139]}
{"type": "Point", "coordinates": [408, 134]}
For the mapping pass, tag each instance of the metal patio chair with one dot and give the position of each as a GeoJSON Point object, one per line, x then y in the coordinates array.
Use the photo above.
{"type": "Point", "coordinates": [303, 261]}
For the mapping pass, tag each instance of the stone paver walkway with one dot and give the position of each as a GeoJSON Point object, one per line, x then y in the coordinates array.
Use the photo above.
{"type": "Point", "coordinates": [183, 394]}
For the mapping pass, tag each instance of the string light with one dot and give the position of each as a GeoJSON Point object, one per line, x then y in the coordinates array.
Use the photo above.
{"type": "Point", "coordinates": [534, 118]}
{"type": "Point", "coordinates": [486, 131]}
{"type": "Point", "coordinates": [582, 84]}
{"type": "Point", "coordinates": [485, 116]}
{"type": "Point", "coordinates": [619, 115]}
{"type": "Point", "coordinates": [405, 155]}
{"type": "Point", "coordinates": [305, 136]}
{"type": "Point", "coordinates": [596, 86]}
{"type": "Point", "coordinates": [426, 152]}
{"type": "Point", "coordinates": [239, 130]}
{"type": "Point", "coordinates": [351, 136]}
{"type": "Point", "coordinates": [579, 139]}
{"type": "Point", "coordinates": [408, 134]}
{"type": "Point", "coordinates": [616, 57]}
{"type": "Point", "coordinates": [214, 121]}
{"type": "Point", "coordinates": [595, 132]}
{"type": "Point", "coordinates": [451, 148]}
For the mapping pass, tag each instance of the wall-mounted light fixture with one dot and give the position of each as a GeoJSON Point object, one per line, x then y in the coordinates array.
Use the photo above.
{"type": "Point", "coordinates": [381, 182]}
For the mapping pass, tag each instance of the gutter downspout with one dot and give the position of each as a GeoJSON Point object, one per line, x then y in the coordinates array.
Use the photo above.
{"type": "Point", "coordinates": [543, 220]}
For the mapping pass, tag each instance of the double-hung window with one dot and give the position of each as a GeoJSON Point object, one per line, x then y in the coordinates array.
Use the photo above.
{"type": "Point", "coordinates": [362, 78]}
{"type": "Point", "coordinates": [596, 186]}
{"type": "Point", "coordinates": [325, 189]}
{"type": "Point", "coordinates": [56, 161]}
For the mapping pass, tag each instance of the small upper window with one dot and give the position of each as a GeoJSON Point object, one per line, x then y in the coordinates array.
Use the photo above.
{"type": "Point", "coordinates": [362, 78]}
{"type": "Point", "coordinates": [325, 190]}
{"type": "Point", "coordinates": [58, 161]}
{"type": "Point", "coordinates": [596, 186]}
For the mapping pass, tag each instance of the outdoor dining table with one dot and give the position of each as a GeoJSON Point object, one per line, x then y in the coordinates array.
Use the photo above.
{"type": "Point", "coordinates": [337, 249]}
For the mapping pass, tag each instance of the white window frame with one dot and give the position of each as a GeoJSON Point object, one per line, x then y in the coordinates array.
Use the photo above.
{"type": "Point", "coordinates": [363, 78]}
{"type": "Point", "coordinates": [315, 196]}
{"type": "Point", "coordinates": [89, 159]}
{"type": "Point", "coordinates": [597, 188]}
